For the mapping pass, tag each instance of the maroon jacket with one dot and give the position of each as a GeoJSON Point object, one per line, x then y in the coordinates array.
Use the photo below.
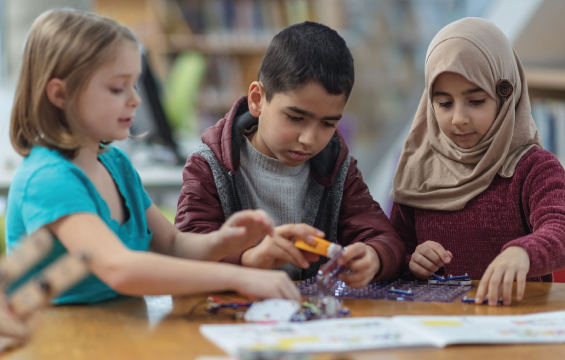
{"type": "Point", "coordinates": [210, 193]}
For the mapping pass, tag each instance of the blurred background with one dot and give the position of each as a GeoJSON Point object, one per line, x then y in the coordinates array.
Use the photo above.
{"type": "Point", "coordinates": [201, 56]}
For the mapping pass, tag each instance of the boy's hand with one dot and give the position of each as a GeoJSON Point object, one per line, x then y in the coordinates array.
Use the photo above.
{"type": "Point", "coordinates": [363, 261]}
{"type": "Point", "coordinates": [278, 249]}
{"type": "Point", "coordinates": [428, 258]}
{"type": "Point", "coordinates": [263, 284]}
{"type": "Point", "coordinates": [243, 230]}
{"type": "Point", "coordinates": [512, 263]}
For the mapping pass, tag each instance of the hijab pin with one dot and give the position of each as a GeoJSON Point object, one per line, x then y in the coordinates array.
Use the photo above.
{"type": "Point", "coordinates": [504, 88]}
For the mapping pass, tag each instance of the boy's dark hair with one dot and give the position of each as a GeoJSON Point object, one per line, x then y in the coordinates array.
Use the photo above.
{"type": "Point", "coordinates": [307, 52]}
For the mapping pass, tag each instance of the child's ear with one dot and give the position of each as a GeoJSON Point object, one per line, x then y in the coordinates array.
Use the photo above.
{"type": "Point", "coordinates": [56, 91]}
{"type": "Point", "coordinates": [255, 98]}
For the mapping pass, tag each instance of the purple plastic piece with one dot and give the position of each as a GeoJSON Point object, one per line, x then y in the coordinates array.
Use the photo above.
{"type": "Point", "coordinates": [326, 283]}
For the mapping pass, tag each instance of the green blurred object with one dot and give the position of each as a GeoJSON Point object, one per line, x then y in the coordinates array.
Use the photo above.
{"type": "Point", "coordinates": [169, 214]}
{"type": "Point", "coordinates": [2, 239]}
{"type": "Point", "coordinates": [181, 91]}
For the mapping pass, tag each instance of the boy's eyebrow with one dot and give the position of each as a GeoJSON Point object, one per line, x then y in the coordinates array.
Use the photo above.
{"type": "Point", "coordinates": [309, 114]}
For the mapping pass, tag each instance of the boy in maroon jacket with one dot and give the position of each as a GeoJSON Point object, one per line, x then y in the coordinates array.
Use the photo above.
{"type": "Point", "coordinates": [278, 149]}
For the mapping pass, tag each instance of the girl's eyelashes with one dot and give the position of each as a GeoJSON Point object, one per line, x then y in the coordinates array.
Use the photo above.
{"type": "Point", "coordinates": [478, 102]}
{"type": "Point", "coordinates": [447, 104]}
{"type": "Point", "coordinates": [328, 124]}
{"type": "Point", "coordinates": [116, 90]}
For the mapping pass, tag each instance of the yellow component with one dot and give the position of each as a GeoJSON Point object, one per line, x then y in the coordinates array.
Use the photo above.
{"type": "Point", "coordinates": [320, 246]}
{"type": "Point", "coordinates": [288, 343]}
{"type": "Point", "coordinates": [442, 323]}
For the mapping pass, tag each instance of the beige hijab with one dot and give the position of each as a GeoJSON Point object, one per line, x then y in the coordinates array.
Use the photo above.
{"type": "Point", "coordinates": [433, 171]}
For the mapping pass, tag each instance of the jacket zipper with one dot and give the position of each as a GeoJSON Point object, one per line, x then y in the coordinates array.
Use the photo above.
{"type": "Point", "coordinates": [235, 195]}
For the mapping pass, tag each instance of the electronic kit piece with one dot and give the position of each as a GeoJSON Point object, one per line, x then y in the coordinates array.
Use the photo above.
{"type": "Point", "coordinates": [327, 283]}
{"type": "Point", "coordinates": [450, 280]}
{"type": "Point", "coordinates": [320, 246]}
{"type": "Point", "coordinates": [472, 301]}
{"type": "Point", "coordinates": [272, 310]}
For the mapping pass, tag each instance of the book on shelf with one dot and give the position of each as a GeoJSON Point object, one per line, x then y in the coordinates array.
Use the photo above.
{"type": "Point", "coordinates": [549, 116]}
{"type": "Point", "coordinates": [247, 16]}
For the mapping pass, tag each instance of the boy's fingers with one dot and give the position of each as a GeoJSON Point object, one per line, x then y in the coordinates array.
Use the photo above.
{"type": "Point", "coordinates": [351, 252]}
{"type": "Point", "coordinates": [281, 254]}
{"type": "Point", "coordinates": [359, 264]}
{"type": "Point", "coordinates": [310, 257]}
{"type": "Point", "coordinates": [520, 284]}
{"type": "Point", "coordinates": [294, 252]}
{"type": "Point", "coordinates": [303, 231]}
{"type": "Point", "coordinates": [483, 286]}
{"type": "Point", "coordinates": [353, 278]}
{"type": "Point", "coordinates": [507, 282]}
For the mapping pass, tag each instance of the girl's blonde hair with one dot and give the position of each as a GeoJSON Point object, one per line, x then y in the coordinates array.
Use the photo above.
{"type": "Point", "coordinates": [69, 45]}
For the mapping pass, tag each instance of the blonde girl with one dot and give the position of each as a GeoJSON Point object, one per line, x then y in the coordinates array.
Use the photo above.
{"type": "Point", "coordinates": [76, 94]}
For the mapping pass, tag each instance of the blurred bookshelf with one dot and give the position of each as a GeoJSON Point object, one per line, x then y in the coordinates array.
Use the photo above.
{"type": "Point", "coordinates": [230, 36]}
{"type": "Point", "coordinates": [216, 47]}
{"type": "Point", "coordinates": [547, 92]}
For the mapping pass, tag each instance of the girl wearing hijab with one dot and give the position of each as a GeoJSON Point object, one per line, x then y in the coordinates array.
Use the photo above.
{"type": "Point", "coordinates": [474, 191]}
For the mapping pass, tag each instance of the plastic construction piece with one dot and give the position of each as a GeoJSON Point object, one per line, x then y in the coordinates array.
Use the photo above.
{"type": "Point", "coordinates": [450, 279]}
{"type": "Point", "coordinates": [272, 310]}
{"type": "Point", "coordinates": [327, 283]}
{"type": "Point", "coordinates": [215, 304]}
{"type": "Point", "coordinates": [325, 308]}
{"type": "Point", "coordinates": [327, 277]}
{"type": "Point", "coordinates": [408, 292]}
{"type": "Point", "coordinates": [472, 300]}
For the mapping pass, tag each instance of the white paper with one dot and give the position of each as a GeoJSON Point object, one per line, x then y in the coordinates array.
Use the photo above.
{"type": "Point", "coordinates": [515, 329]}
{"type": "Point", "coordinates": [333, 335]}
{"type": "Point", "coordinates": [370, 333]}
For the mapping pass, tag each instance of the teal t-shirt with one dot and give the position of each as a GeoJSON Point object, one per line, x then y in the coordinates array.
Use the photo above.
{"type": "Point", "coordinates": [47, 186]}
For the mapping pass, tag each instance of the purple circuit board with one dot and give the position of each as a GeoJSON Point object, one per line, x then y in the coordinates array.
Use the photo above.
{"type": "Point", "coordinates": [437, 289]}
{"type": "Point", "coordinates": [396, 290]}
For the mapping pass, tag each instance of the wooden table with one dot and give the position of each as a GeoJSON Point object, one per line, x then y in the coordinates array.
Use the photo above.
{"type": "Point", "coordinates": [158, 328]}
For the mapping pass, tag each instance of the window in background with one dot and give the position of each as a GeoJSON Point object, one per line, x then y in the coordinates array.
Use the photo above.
{"type": "Point", "coordinates": [3, 60]}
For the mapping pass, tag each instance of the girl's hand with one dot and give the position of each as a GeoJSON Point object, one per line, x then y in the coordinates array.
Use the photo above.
{"type": "Point", "coordinates": [278, 249]}
{"type": "Point", "coordinates": [363, 261]}
{"type": "Point", "coordinates": [243, 230]}
{"type": "Point", "coordinates": [512, 263]}
{"type": "Point", "coordinates": [428, 258]}
{"type": "Point", "coordinates": [263, 284]}
{"type": "Point", "coordinates": [14, 331]}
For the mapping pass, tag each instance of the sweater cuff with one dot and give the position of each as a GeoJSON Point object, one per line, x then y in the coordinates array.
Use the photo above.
{"type": "Point", "coordinates": [538, 265]}
{"type": "Point", "coordinates": [390, 267]}
{"type": "Point", "coordinates": [234, 259]}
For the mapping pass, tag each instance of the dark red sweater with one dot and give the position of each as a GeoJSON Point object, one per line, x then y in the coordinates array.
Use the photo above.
{"type": "Point", "coordinates": [526, 210]}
